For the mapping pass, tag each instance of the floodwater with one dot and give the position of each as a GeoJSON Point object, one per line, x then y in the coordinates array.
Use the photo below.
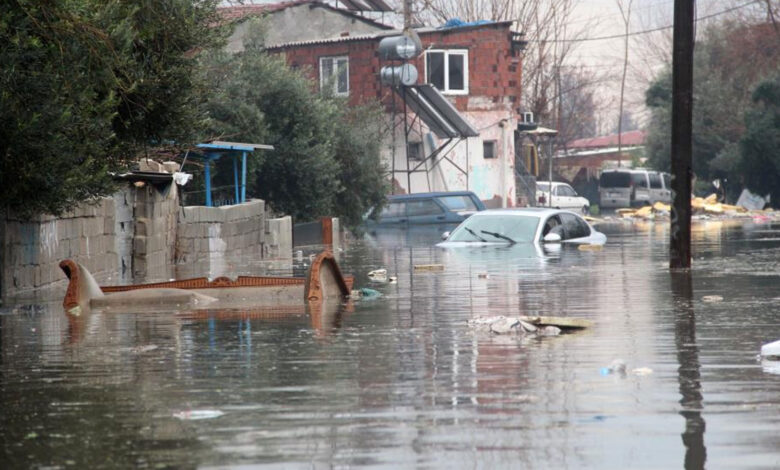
{"type": "Point", "coordinates": [403, 382]}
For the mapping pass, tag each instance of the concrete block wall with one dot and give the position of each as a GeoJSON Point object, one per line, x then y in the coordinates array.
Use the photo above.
{"type": "Point", "coordinates": [154, 236]}
{"type": "Point", "coordinates": [136, 235]}
{"type": "Point", "coordinates": [32, 249]}
{"type": "Point", "coordinates": [204, 233]}
{"type": "Point", "coordinates": [278, 238]}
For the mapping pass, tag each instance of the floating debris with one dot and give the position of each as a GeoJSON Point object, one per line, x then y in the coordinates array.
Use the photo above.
{"type": "Point", "coordinates": [429, 267]}
{"type": "Point", "coordinates": [193, 415]}
{"type": "Point", "coordinates": [589, 247]}
{"type": "Point", "coordinates": [365, 293]}
{"type": "Point", "coordinates": [712, 298]}
{"type": "Point", "coordinates": [542, 326]}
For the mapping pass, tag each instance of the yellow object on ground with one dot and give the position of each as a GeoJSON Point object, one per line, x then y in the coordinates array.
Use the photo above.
{"type": "Point", "coordinates": [661, 207]}
{"type": "Point", "coordinates": [588, 247]}
{"type": "Point", "coordinates": [429, 267]}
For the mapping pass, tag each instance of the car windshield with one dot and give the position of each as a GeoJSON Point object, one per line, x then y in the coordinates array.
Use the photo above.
{"type": "Point", "coordinates": [617, 179]}
{"type": "Point", "coordinates": [496, 228]}
{"type": "Point", "coordinates": [542, 186]}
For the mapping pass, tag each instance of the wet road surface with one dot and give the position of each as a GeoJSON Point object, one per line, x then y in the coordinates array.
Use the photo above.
{"type": "Point", "coordinates": [402, 381]}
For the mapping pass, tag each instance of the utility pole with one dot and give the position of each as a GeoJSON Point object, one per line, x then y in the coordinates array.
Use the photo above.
{"type": "Point", "coordinates": [407, 14]}
{"type": "Point", "coordinates": [682, 138]}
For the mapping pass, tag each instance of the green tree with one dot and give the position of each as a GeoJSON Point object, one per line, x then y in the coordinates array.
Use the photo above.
{"type": "Point", "coordinates": [760, 146]}
{"type": "Point", "coordinates": [326, 155]}
{"type": "Point", "coordinates": [84, 84]}
{"type": "Point", "coordinates": [728, 62]}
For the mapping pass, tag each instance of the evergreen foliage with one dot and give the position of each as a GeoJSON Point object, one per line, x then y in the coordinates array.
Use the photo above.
{"type": "Point", "coordinates": [84, 84]}
{"type": "Point", "coordinates": [326, 155]}
{"type": "Point", "coordinates": [729, 62]}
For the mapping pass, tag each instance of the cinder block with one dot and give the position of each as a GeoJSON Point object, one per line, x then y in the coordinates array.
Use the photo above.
{"type": "Point", "coordinates": [142, 227]}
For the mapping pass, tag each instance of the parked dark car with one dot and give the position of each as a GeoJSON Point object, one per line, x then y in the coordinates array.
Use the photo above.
{"type": "Point", "coordinates": [427, 208]}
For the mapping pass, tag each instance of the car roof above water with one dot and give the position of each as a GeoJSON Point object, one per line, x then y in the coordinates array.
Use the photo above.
{"type": "Point", "coordinates": [533, 211]}
{"type": "Point", "coordinates": [407, 197]}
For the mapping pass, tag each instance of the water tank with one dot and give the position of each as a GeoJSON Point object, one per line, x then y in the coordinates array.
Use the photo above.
{"type": "Point", "coordinates": [397, 48]}
{"type": "Point", "coordinates": [405, 74]}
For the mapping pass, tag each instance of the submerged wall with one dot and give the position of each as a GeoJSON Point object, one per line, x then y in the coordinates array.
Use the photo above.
{"type": "Point", "coordinates": [138, 234]}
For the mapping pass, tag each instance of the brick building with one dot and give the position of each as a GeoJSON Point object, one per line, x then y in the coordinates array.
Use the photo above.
{"type": "Point", "coordinates": [475, 67]}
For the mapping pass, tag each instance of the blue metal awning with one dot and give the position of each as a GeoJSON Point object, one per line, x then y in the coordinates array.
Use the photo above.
{"type": "Point", "coordinates": [215, 150]}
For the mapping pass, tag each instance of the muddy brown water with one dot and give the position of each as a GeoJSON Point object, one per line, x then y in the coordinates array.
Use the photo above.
{"type": "Point", "coordinates": [402, 381]}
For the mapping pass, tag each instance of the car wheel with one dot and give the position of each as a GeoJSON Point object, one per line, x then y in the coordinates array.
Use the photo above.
{"type": "Point", "coordinates": [585, 210]}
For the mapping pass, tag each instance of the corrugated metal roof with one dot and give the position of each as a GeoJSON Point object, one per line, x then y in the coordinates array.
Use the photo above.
{"type": "Point", "coordinates": [382, 34]}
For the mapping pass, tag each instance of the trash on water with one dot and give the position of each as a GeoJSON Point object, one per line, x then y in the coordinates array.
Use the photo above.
{"type": "Point", "coordinates": [771, 351]}
{"type": "Point", "coordinates": [504, 325]}
{"type": "Point", "coordinates": [378, 275]}
{"type": "Point", "coordinates": [483, 276]}
{"type": "Point", "coordinates": [192, 415]}
{"type": "Point", "coordinates": [541, 326]}
{"type": "Point", "coordinates": [365, 293]}
{"type": "Point", "coordinates": [640, 371]}
{"type": "Point", "coordinates": [429, 267]}
{"type": "Point", "coordinates": [392, 280]}
{"type": "Point", "coordinates": [618, 366]}
{"type": "Point", "coordinates": [712, 298]}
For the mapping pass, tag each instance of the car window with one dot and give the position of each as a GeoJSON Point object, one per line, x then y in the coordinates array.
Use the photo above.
{"type": "Point", "coordinates": [553, 225]}
{"type": "Point", "coordinates": [394, 209]}
{"type": "Point", "coordinates": [655, 180]}
{"type": "Point", "coordinates": [615, 179]}
{"type": "Point", "coordinates": [458, 203]}
{"type": "Point", "coordinates": [422, 207]}
{"type": "Point", "coordinates": [639, 180]}
{"type": "Point", "coordinates": [667, 180]}
{"type": "Point", "coordinates": [520, 228]}
{"type": "Point", "coordinates": [566, 191]}
{"type": "Point", "coordinates": [574, 227]}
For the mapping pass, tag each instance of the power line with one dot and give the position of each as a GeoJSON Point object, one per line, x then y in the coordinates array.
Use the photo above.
{"type": "Point", "coordinates": [647, 31]}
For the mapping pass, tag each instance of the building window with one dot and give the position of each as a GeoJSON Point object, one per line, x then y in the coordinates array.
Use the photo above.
{"type": "Point", "coordinates": [489, 149]}
{"type": "Point", "coordinates": [334, 75]}
{"type": "Point", "coordinates": [414, 151]}
{"type": "Point", "coordinates": [448, 70]}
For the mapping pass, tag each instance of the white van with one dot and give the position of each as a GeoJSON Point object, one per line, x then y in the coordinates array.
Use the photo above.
{"type": "Point", "coordinates": [629, 188]}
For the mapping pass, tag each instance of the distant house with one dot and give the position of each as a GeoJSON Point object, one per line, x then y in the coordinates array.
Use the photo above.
{"type": "Point", "coordinates": [583, 159]}
{"type": "Point", "coordinates": [460, 115]}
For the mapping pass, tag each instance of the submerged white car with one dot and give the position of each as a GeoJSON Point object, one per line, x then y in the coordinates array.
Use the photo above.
{"type": "Point", "coordinates": [523, 225]}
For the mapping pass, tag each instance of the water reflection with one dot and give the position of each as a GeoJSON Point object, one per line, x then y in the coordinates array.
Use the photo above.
{"type": "Point", "coordinates": [402, 381]}
{"type": "Point", "coordinates": [689, 370]}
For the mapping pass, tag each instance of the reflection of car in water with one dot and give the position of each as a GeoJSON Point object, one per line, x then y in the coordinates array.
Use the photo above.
{"type": "Point", "coordinates": [524, 225]}
{"type": "Point", "coordinates": [563, 197]}
{"type": "Point", "coordinates": [426, 208]}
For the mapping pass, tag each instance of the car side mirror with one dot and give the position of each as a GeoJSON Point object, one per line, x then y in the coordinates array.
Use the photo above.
{"type": "Point", "coordinates": [445, 235]}
{"type": "Point", "coordinates": [552, 238]}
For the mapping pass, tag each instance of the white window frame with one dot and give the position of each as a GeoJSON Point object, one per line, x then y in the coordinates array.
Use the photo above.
{"type": "Point", "coordinates": [334, 78]}
{"type": "Point", "coordinates": [447, 53]}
